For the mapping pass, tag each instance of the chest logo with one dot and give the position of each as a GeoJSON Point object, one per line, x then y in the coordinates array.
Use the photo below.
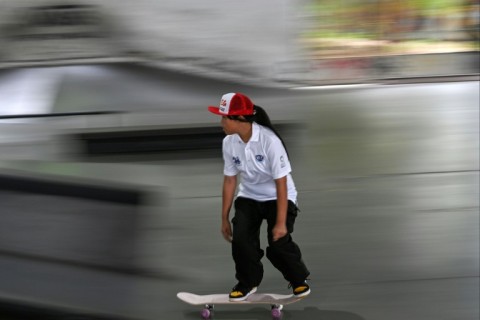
{"type": "Point", "coordinates": [259, 157]}
{"type": "Point", "coordinates": [236, 160]}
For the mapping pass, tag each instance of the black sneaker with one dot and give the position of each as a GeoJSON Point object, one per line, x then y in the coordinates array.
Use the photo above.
{"type": "Point", "coordinates": [240, 292]}
{"type": "Point", "coordinates": [301, 289]}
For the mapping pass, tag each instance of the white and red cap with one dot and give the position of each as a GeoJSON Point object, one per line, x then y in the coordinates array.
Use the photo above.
{"type": "Point", "coordinates": [233, 104]}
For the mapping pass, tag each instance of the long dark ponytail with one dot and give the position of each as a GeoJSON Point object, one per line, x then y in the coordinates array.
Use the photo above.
{"type": "Point", "coordinates": [261, 117]}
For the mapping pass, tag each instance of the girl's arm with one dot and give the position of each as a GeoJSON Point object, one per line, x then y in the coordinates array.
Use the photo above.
{"type": "Point", "coordinates": [228, 192]}
{"type": "Point", "coordinates": [280, 229]}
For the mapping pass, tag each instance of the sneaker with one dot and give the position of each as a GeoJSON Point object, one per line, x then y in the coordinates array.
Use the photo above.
{"type": "Point", "coordinates": [240, 292]}
{"type": "Point", "coordinates": [301, 289]}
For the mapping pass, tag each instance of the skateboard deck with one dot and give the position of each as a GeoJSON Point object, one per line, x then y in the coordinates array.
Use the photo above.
{"type": "Point", "coordinates": [276, 301]}
{"type": "Point", "coordinates": [254, 298]}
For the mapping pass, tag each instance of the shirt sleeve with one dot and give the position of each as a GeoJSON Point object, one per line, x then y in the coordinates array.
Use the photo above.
{"type": "Point", "coordinates": [279, 162]}
{"type": "Point", "coordinates": [229, 167]}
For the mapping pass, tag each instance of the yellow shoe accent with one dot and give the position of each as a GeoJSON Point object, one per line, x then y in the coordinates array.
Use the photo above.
{"type": "Point", "coordinates": [236, 294]}
{"type": "Point", "coordinates": [300, 289]}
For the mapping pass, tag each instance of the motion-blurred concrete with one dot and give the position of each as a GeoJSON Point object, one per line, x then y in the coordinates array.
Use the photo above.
{"type": "Point", "coordinates": [388, 189]}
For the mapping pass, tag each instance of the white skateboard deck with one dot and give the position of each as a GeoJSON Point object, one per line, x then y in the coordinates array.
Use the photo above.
{"type": "Point", "coordinates": [222, 298]}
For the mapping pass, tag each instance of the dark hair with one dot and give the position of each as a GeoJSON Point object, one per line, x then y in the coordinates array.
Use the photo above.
{"type": "Point", "coordinates": [261, 117]}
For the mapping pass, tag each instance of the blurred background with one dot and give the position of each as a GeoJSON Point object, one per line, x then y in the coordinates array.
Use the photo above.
{"type": "Point", "coordinates": [111, 168]}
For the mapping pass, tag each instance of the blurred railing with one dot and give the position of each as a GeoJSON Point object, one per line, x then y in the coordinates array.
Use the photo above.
{"type": "Point", "coordinates": [55, 115]}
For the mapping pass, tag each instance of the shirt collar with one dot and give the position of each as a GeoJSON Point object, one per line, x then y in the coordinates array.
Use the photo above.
{"type": "Point", "coordinates": [255, 132]}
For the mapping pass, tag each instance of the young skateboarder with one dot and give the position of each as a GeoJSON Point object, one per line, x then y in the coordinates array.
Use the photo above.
{"type": "Point", "coordinates": [254, 152]}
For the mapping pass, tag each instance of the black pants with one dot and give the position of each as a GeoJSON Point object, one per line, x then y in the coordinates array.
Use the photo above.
{"type": "Point", "coordinates": [284, 254]}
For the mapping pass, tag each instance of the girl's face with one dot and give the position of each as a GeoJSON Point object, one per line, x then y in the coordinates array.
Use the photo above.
{"type": "Point", "coordinates": [228, 125]}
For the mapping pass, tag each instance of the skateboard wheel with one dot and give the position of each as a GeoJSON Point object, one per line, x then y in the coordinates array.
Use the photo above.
{"type": "Point", "coordinates": [206, 313]}
{"type": "Point", "coordinates": [276, 313]}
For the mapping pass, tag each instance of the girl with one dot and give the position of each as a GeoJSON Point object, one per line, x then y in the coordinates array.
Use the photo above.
{"type": "Point", "coordinates": [255, 151]}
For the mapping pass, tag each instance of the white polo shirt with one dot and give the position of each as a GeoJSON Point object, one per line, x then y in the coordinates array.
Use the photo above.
{"type": "Point", "coordinates": [259, 161]}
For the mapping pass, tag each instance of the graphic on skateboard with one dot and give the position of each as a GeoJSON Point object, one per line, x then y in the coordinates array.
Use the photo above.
{"type": "Point", "coordinates": [276, 301]}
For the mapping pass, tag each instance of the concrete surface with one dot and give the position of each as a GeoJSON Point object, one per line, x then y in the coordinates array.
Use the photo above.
{"type": "Point", "coordinates": [388, 186]}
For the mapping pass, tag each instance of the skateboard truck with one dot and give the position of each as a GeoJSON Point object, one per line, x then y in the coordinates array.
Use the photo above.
{"type": "Point", "coordinates": [207, 311]}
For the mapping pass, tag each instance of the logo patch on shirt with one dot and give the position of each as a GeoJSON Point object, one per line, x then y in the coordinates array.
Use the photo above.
{"type": "Point", "coordinates": [282, 162]}
{"type": "Point", "coordinates": [259, 157]}
{"type": "Point", "coordinates": [236, 160]}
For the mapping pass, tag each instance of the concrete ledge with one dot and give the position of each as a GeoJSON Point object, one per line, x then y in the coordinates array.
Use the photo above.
{"type": "Point", "coordinates": [150, 140]}
{"type": "Point", "coordinates": [71, 188]}
{"type": "Point", "coordinates": [71, 221]}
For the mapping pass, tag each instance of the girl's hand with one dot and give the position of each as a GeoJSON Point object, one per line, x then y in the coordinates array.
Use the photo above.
{"type": "Point", "coordinates": [279, 231]}
{"type": "Point", "coordinates": [227, 230]}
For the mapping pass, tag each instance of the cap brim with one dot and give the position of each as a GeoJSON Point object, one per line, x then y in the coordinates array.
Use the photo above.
{"type": "Point", "coordinates": [215, 110]}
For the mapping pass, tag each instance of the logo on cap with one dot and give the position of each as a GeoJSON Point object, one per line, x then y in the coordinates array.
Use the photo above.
{"type": "Point", "coordinates": [223, 106]}
{"type": "Point", "coordinates": [233, 104]}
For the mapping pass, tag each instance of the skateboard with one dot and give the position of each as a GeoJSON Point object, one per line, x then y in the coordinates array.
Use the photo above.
{"type": "Point", "coordinates": [276, 301]}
